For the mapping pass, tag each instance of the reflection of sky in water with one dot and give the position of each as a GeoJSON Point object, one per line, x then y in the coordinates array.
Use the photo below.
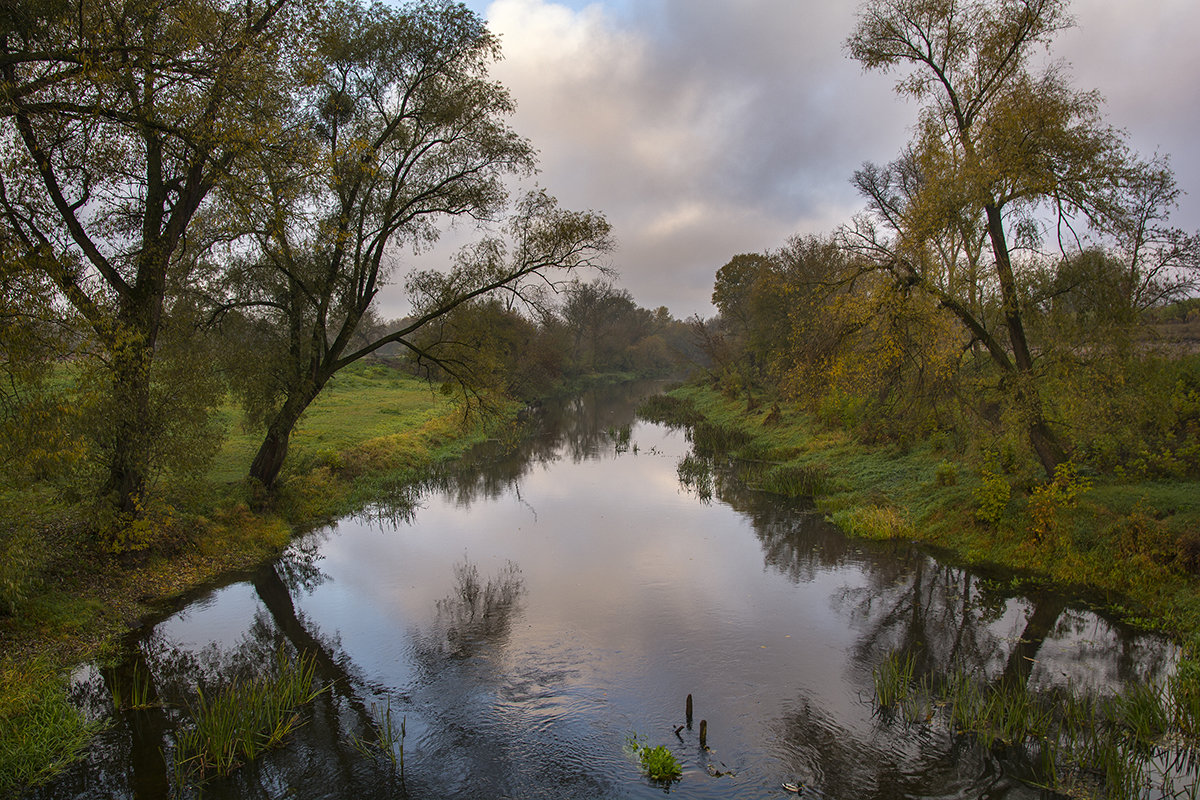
{"type": "Point", "coordinates": [220, 618]}
{"type": "Point", "coordinates": [635, 595]}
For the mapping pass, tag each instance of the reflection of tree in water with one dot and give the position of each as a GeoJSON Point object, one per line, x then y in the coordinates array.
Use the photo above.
{"type": "Point", "coordinates": [579, 427]}
{"type": "Point", "coordinates": [945, 617]}
{"type": "Point", "coordinates": [816, 751]}
{"type": "Point", "coordinates": [133, 757]}
{"type": "Point", "coordinates": [900, 599]}
{"type": "Point", "coordinates": [476, 612]}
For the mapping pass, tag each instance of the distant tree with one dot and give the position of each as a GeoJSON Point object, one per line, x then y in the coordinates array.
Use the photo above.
{"type": "Point", "coordinates": [996, 146]}
{"type": "Point", "coordinates": [490, 349]}
{"type": "Point", "coordinates": [118, 121]}
{"type": "Point", "coordinates": [740, 294]}
{"type": "Point", "coordinates": [604, 323]}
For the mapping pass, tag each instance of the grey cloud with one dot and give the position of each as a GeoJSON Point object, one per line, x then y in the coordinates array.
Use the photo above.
{"type": "Point", "coordinates": [705, 128]}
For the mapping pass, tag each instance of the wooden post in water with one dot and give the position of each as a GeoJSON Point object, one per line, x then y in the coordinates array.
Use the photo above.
{"type": "Point", "coordinates": [704, 734]}
{"type": "Point", "coordinates": [688, 712]}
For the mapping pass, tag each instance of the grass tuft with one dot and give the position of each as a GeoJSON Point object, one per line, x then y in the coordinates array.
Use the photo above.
{"type": "Point", "coordinates": [41, 733]}
{"type": "Point", "coordinates": [242, 720]}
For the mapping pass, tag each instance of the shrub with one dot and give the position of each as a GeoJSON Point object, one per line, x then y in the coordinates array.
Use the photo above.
{"type": "Point", "coordinates": [123, 533]}
{"type": "Point", "coordinates": [1048, 499]}
{"type": "Point", "coordinates": [946, 475]}
{"type": "Point", "coordinates": [992, 496]}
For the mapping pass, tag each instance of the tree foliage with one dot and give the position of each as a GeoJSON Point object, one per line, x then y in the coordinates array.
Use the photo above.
{"type": "Point", "coordinates": [396, 128]}
{"type": "Point", "coordinates": [1006, 156]}
{"type": "Point", "coordinates": [119, 119]}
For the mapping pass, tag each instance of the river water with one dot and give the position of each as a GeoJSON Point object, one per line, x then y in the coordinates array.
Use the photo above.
{"type": "Point", "coordinates": [534, 607]}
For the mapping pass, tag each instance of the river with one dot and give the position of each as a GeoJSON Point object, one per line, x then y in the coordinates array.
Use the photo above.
{"type": "Point", "coordinates": [528, 611]}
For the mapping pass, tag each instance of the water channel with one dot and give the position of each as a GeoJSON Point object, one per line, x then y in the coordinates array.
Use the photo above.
{"type": "Point", "coordinates": [527, 612]}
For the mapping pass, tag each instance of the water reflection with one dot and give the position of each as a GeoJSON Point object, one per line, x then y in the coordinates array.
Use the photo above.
{"type": "Point", "coordinates": [632, 591]}
{"type": "Point", "coordinates": [475, 613]}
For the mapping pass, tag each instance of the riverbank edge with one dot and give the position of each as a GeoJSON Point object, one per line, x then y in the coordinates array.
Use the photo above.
{"type": "Point", "coordinates": [1122, 548]}
{"type": "Point", "coordinates": [103, 598]}
{"type": "Point", "coordinates": [100, 598]}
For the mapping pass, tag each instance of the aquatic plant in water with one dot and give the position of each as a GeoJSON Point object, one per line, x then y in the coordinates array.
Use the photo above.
{"type": "Point", "coordinates": [244, 719]}
{"type": "Point", "coordinates": [388, 740]}
{"type": "Point", "coordinates": [658, 762]}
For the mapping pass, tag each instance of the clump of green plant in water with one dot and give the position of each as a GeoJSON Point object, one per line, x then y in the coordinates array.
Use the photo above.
{"type": "Point", "coordinates": [244, 719]}
{"type": "Point", "coordinates": [1117, 746]}
{"type": "Point", "coordinates": [388, 740]}
{"type": "Point", "coordinates": [40, 731]}
{"type": "Point", "coordinates": [696, 475]}
{"type": "Point", "coordinates": [893, 679]}
{"type": "Point", "coordinates": [134, 695]}
{"type": "Point", "coordinates": [658, 762]}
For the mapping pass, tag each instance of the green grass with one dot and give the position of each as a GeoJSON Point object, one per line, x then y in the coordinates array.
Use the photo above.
{"type": "Point", "coordinates": [363, 402]}
{"type": "Point", "coordinates": [40, 731]}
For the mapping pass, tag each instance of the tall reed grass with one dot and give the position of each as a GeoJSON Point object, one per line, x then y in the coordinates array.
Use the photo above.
{"type": "Point", "coordinates": [245, 718]}
{"type": "Point", "coordinates": [388, 739]}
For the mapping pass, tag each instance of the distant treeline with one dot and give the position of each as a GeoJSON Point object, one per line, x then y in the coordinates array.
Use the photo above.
{"type": "Point", "coordinates": [591, 328]}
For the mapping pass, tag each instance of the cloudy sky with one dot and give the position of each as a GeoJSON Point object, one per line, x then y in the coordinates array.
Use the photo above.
{"type": "Point", "coordinates": [706, 128]}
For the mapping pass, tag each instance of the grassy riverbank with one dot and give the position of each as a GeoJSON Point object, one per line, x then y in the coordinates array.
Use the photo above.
{"type": "Point", "coordinates": [1128, 547]}
{"type": "Point", "coordinates": [1132, 547]}
{"type": "Point", "coordinates": [68, 599]}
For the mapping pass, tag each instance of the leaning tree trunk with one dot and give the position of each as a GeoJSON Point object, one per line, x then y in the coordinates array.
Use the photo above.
{"type": "Point", "coordinates": [1045, 444]}
{"type": "Point", "coordinates": [274, 448]}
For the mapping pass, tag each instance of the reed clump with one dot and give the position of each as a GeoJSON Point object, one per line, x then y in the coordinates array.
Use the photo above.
{"type": "Point", "coordinates": [388, 740]}
{"type": "Point", "coordinates": [242, 720]}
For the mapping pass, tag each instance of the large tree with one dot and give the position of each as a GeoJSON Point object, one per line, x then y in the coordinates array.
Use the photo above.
{"type": "Point", "coordinates": [405, 130]}
{"type": "Point", "coordinates": [117, 120]}
{"type": "Point", "coordinates": [1002, 147]}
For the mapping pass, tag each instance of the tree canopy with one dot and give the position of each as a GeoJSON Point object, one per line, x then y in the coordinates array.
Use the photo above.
{"type": "Point", "coordinates": [1007, 156]}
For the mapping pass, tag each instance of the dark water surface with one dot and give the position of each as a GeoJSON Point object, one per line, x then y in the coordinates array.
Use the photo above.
{"type": "Point", "coordinates": [541, 603]}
